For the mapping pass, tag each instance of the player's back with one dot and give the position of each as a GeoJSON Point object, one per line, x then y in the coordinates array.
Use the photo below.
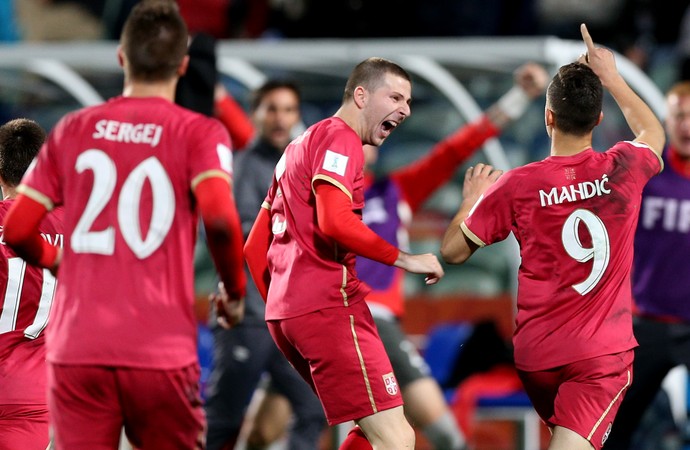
{"type": "Point", "coordinates": [124, 171]}
{"type": "Point", "coordinates": [575, 217]}
{"type": "Point", "coordinates": [27, 297]}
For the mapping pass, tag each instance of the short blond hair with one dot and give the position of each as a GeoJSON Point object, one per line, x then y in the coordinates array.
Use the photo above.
{"type": "Point", "coordinates": [682, 88]}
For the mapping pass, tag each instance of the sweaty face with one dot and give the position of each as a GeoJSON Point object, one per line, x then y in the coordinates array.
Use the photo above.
{"type": "Point", "coordinates": [277, 113]}
{"type": "Point", "coordinates": [678, 124]}
{"type": "Point", "coordinates": [386, 108]}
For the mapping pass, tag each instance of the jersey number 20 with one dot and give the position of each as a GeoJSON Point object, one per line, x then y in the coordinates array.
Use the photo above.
{"type": "Point", "coordinates": [86, 240]}
{"type": "Point", "coordinates": [599, 252]}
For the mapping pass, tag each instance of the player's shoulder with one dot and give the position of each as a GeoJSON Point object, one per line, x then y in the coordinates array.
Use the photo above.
{"type": "Point", "coordinates": [627, 148]}
{"type": "Point", "coordinates": [634, 152]}
{"type": "Point", "coordinates": [77, 117]}
{"type": "Point", "coordinates": [523, 172]}
{"type": "Point", "coordinates": [334, 129]}
{"type": "Point", "coordinates": [200, 123]}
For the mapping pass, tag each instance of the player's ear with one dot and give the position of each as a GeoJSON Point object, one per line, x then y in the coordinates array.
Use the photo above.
{"type": "Point", "coordinates": [182, 69]}
{"type": "Point", "coordinates": [120, 56]}
{"type": "Point", "coordinates": [359, 96]}
{"type": "Point", "coordinates": [601, 117]}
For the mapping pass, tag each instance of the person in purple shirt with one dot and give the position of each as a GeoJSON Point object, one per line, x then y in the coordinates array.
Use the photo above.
{"type": "Point", "coordinates": [660, 273]}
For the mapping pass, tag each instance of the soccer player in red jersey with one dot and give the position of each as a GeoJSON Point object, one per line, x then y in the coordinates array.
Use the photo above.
{"type": "Point", "coordinates": [133, 175]}
{"type": "Point", "coordinates": [574, 216]}
{"type": "Point", "coordinates": [301, 253]}
{"type": "Point", "coordinates": [390, 201]}
{"type": "Point", "coordinates": [27, 296]}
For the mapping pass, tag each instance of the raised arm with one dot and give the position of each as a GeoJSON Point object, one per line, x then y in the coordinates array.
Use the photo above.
{"type": "Point", "coordinates": [640, 118]}
{"type": "Point", "coordinates": [422, 178]}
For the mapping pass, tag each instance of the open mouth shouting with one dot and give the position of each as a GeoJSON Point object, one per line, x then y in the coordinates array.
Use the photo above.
{"type": "Point", "coordinates": [388, 126]}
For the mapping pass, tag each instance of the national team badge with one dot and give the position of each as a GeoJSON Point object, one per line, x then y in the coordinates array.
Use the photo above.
{"type": "Point", "coordinates": [570, 173]}
{"type": "Point", "coordinates": [391, 383]}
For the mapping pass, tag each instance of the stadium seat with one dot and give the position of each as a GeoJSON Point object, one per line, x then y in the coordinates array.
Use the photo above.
{"type": "Point", "coordinates": [443, 347]}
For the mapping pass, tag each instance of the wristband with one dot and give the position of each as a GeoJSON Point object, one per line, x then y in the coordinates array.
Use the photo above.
{"type": "Point", "coordinates": [514, 102]}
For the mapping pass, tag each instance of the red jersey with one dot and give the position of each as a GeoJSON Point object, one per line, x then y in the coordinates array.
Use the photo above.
{"type": "Point", "coordinates": [310, 271]}
{"type": "Point", "coordinates": [27, 296]}
{"type": "Point", "coordinates": [125, 171]}
{"type": "Point", "coordinates": [574, 218]}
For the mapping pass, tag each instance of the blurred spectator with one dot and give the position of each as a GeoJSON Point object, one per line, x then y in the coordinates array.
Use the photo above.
{"type": "Point", "coordinates": [45, 20]}
{"type": "Point", "coordinates": [221, 19]}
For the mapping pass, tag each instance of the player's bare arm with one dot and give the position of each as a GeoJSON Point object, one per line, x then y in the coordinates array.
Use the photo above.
{"type": "Point", "coordinates": [426, 264]}
{"type": "Point", "coordinates": [638, 115]}
{"type": "Point", "coordinates": [530, 81]}
{"type": "Point", "coordinates": [456, 248]}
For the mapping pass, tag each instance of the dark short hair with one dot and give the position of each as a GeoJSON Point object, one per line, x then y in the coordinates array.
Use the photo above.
{"type": "Point", "coordinates": [370, 74]}
{"type": "Point", "coordinates": [262, 91]}
{"type": "Point", "coordinates": [20, 141]}
{"type": "Point", "coordinates": [154, 40]}
{"type": "Point", "coordinates": [575, 96]}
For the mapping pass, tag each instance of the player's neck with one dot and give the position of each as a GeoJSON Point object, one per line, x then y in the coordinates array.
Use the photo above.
{"type": "Point", "coordinates": [8, 192]}
{"type": "Point", "coordinates": [568, 144]}
{"type": "Point", "coordinates": [165, 90]}
{"type": "Point", "coordinates": [348, 114]}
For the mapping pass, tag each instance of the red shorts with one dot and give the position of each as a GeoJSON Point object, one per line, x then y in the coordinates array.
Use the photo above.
{"type": "Point", "coordinates": [24, 427]}
{"type": "Point", "coordinates": [160, 409]}
{"type": "Point", "coordinates": [338, 351]}
{"type": "Point", "coordinates": [583, 396]}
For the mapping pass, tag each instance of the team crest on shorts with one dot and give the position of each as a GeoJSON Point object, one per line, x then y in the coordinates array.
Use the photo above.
{"type": "Point", "coordinates": [606, 434]}
{"type": "Point", "coordinates": [391, 383]}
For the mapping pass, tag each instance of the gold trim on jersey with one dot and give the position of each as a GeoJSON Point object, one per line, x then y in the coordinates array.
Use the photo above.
{"type": "Point", "coordinates": [658, 155]}
{"type": "Point", "coordinates": [333, 181]}
{"type": "Point", "coordinates": [362, 366]}
{"type": "Point", "coordinates": [33, 194]}
{"type": "Point", "coordinates": [342, 286]}
{"type": "Point", "coordinates": [473, 237]}
{"type": "Point", "coordinates": [210, 174]}
{"type": "Point", "coordinates": [615, 399]}
{"type": "Point", "coordinates": [266, 205]}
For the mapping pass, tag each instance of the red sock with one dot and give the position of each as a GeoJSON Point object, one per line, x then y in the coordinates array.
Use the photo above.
{"type": "Point", "coordinates": [356, 440]}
